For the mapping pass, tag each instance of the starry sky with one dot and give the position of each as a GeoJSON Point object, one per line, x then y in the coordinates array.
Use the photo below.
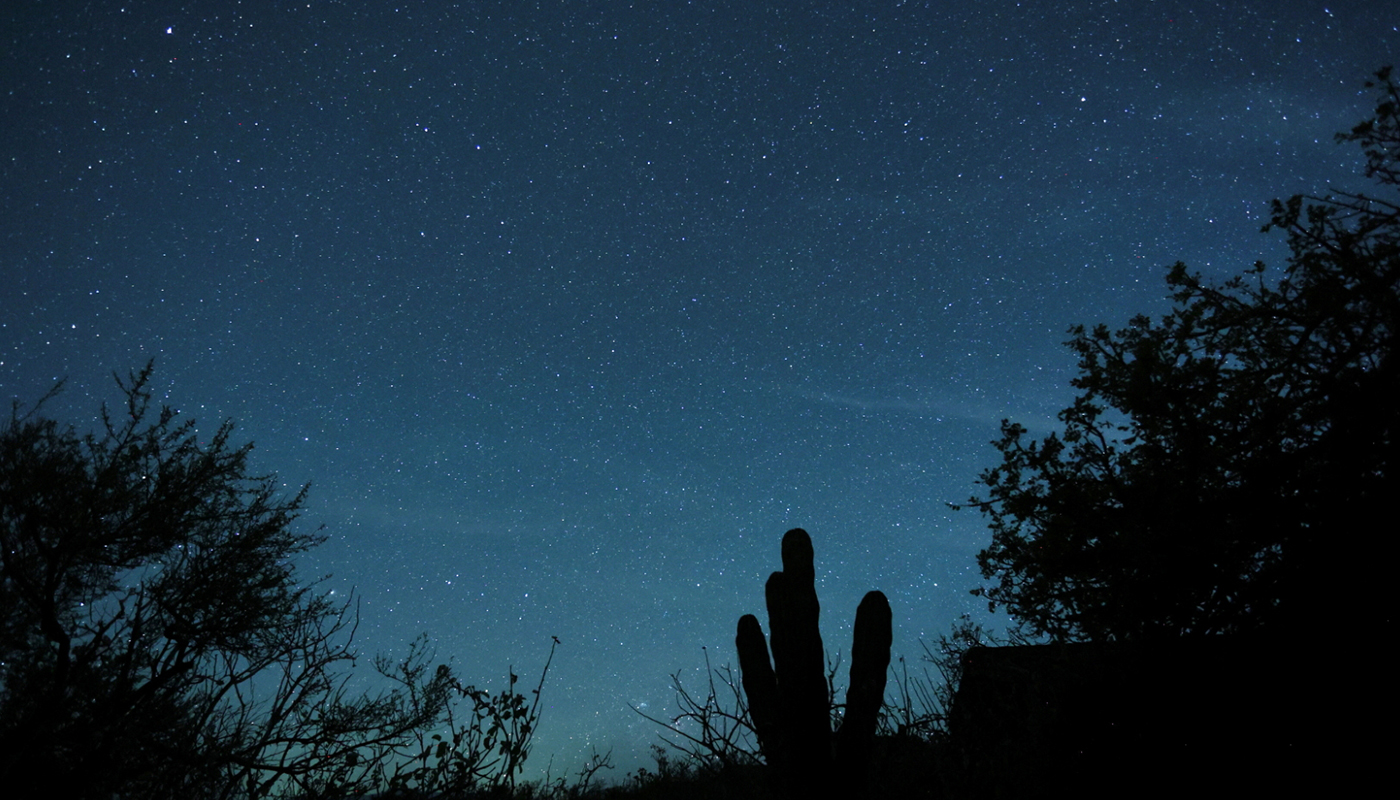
{"type": "Point", "coordinates": [568, 310]}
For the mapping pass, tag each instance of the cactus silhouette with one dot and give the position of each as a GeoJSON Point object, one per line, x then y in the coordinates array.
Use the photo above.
{"type": "Point", "coordinates": [788, 699]}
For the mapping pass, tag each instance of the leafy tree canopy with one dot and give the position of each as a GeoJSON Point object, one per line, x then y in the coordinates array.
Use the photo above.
{"type": "Point", "coordinates": [1222, 466]}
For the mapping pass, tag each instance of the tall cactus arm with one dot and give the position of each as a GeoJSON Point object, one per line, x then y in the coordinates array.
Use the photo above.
{"type": "Point", "coordinates": [870, 662]}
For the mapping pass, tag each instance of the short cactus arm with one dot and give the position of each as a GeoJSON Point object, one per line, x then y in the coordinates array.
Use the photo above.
{"type": "Point", "coordinates": [760, 684]}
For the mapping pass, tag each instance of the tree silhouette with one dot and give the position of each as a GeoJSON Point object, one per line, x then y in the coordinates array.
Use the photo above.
{"type": "Point", "coordinates": [1221, 465]}
{"type": "Point", "coordinates": [154, 641]}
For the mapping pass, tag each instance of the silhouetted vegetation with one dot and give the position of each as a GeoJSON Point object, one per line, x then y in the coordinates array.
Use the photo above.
{"type": "Point", "coordinates": [711, 740]}
{"type": "Point", "coordinates": [716, 731]}
{"type": "Point", "coordinates": [789, 699]}
{"type": "Point", "coordinates": [1219, 464]}
{"type": "Point", "coordinates": [155, 642]}
{"type": "Point", "coordinates": [1216, 475]}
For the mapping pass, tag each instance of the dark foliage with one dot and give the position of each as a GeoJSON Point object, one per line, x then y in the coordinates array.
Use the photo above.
{"type": "Point", "coordinates": [154, 640]}
{"type": "Point", "coordinates": [1220, 463]}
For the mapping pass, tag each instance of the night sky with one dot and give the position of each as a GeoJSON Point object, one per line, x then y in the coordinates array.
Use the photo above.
{"type": "Point", "coordinates": [568, 310]}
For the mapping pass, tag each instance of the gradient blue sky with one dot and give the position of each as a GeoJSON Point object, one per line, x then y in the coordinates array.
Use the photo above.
{"type": "Point", "coordinates": [568, 310]}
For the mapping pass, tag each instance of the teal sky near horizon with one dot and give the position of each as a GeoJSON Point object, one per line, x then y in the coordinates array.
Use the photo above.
{"type": "Point", "coordinates": [569, 310]}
